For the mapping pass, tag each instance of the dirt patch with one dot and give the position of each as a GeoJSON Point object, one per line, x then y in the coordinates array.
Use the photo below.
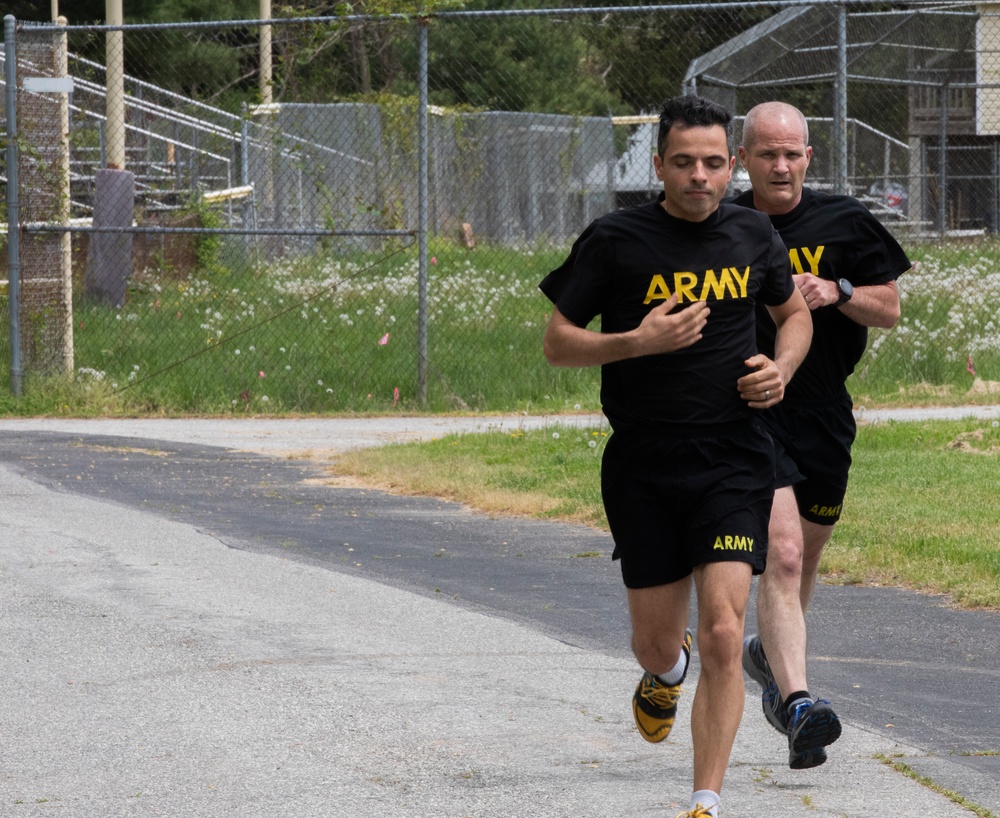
{"type": "Point", "coordinates": [981, 387]}
{"type": "Point", "coordinates": [345, 481]}
{"type": "Point", "coordinates": [974, 443]}
{"type": "Point", "coordinates": [924, 389]}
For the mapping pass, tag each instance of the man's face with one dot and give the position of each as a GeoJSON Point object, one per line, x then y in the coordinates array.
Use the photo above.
{"type": "Point", "coordinates": [695, 169]}
{"type": "Point", "coordinates": [776, 162]}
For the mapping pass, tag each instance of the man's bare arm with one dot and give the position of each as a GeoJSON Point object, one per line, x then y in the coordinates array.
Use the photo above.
{"type": "Point", "coordinates": [567, 344]}
{"type": "Point", "coordinates": [872, 305]}
{"type": "Point", "coordinates": [766, 385]}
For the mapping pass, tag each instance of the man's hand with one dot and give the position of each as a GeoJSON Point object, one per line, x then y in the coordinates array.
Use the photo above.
{"type": "Point", "coordinates": [818, 292]}
{"type": "Point", "coordinates": [662, 331]}
{"type": "Point", "coordinates": [872, 305]}
{"type": "Point", "coordinates": [566, 344]}
{"type": "Point", "coordinates": [763, 387]}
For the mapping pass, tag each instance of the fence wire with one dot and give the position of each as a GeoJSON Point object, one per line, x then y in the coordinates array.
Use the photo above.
{"type": "Point", "coordinates": [204, 237]}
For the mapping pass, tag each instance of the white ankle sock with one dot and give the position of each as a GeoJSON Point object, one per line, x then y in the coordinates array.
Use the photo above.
{"type": "Point", "coordinates": [708, 799]}
{"type": "Point", "coordinates": [676, 673]}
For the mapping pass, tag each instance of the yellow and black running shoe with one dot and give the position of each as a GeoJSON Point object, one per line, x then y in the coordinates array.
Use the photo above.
{"type": "Point", "coordinates": [654, 704]}
{"type": "Point", "coordinates": [698, 811]}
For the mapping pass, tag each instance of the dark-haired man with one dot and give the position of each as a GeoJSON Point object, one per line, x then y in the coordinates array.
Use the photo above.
{"type": "Point", "coordinates": [688, 475]}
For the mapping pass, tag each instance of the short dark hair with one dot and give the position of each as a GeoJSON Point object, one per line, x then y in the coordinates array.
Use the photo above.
{"type": "Point", "coordinates": [692, 110]}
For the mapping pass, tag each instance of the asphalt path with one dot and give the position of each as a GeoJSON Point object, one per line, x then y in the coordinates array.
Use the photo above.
{"type": "Point", "coordinates": [905, 671]}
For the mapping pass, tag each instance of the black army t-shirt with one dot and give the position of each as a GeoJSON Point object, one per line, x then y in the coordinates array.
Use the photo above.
{"type": "Point", "coordinates": [833, 237]}
{"type": "Point", "coordinates": [627, 262]}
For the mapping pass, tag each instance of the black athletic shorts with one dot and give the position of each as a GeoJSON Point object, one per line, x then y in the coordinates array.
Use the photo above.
{"type": "Point", "coordinates": [680, 498]}
{"type": "Point", "coordinates": [812, 449]}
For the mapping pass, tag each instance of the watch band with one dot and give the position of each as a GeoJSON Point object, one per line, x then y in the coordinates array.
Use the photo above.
{"type": "Point", "coordinates": [846, 292]}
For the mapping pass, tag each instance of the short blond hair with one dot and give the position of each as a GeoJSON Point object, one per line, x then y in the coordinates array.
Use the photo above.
{"type": "Point", "coordinates": [769, 111]}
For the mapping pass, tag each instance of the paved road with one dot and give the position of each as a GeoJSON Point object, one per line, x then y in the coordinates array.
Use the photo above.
{"type": "Point", "coordinates": [196, 629]}
{"type": "Point", "coordinates": [319, 437]}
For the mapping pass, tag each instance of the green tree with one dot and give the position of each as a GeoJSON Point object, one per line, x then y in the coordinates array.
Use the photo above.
{"type": "Point", "coordinates": [320, 62]}
{"type": "Point", "coordinates": [201, 63]}
{"type": "Point", "coordinates": [527, 63]}
{"type": "Point", "coordinates": [647, 55]}
{"type": "Point", "coordinates": [524, 63]}
{"type": "Point", "coordinates": [359, 56]}
{"type": "Point", "coordinates": [84, 12]}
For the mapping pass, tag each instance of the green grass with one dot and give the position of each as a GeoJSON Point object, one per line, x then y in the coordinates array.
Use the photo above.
{"type": "Point", "coordinates": [546, 474]}
{"type": "Point", "coordinates": [330, 333]}
{"type": "Point", "coordinates": [906, 770]}
{"type": "Point", "coordinates": [197, 342]}
{"type": "Point", "coordinates": [921, 510]}
{"type": "Point", "coordinates": [949, 316]}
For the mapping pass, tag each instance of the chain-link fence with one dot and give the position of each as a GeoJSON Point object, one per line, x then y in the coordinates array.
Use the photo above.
{"type": "Point", "coordinates": [353, 213]}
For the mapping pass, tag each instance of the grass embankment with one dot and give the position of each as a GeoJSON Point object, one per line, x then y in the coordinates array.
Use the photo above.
{"type": "Point", "coordinates": [921, 511]}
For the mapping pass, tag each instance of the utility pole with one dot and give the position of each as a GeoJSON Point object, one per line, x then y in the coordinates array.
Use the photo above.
{"type": "Point", "coordinates": [109, 255]}
{"type": "Point", "coordinates": [266, 96]}
{"type": "Point", "coordinates": [114, 55]}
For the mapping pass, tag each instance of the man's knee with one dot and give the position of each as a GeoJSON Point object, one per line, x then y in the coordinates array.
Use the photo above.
{"type": "Point", "coordinates": [720, 642]}
{"type": "Point", "coordinates": [655, 650]}
{"type": "Point", "coordinates": [784, 560]}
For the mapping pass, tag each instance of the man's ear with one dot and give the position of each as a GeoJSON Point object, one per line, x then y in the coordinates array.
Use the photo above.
{"type": "Point", "coordinates": [658, 166]}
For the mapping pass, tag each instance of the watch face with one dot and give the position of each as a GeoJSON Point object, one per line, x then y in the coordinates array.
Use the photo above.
{"type": "Point", "coordinates": [846, 287]}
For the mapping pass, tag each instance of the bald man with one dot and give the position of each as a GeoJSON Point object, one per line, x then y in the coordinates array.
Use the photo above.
{"type": "Point", "coordinates": [845, 264]}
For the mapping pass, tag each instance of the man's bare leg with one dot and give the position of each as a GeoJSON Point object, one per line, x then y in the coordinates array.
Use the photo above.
{"type": "Point", "coordinates": [723, 593]}
{"type": "Point", "coordinates": [659, 618]}
{"type": "Point", "coordinates": [814, 539]}
{"type": "Point", "coordinates": [780, 618]}
{"type": "Point", "coordinates": [794, 549]}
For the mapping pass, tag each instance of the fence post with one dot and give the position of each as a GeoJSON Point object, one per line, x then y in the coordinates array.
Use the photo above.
{"type": "Point", "coordinates": [422, 190]}
{"type": "Point", "coordinates": [943, 163]}
{"type": "Point", "coordinates": [264, 79]}
{"type": "Point", "coordinates": [65, 194]}
{"type": "Point", "coordinates": [13, 223]}
{"type": "Point", "coordinates": [245, 172]}
{"type": "Point", "coordinates": [840, 102]}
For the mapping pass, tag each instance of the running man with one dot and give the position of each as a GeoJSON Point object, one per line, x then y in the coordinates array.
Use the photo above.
{"type": "Point", "coordinates": [688, 475]}
{"type": "Point", "coordinates": [845, 264]}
